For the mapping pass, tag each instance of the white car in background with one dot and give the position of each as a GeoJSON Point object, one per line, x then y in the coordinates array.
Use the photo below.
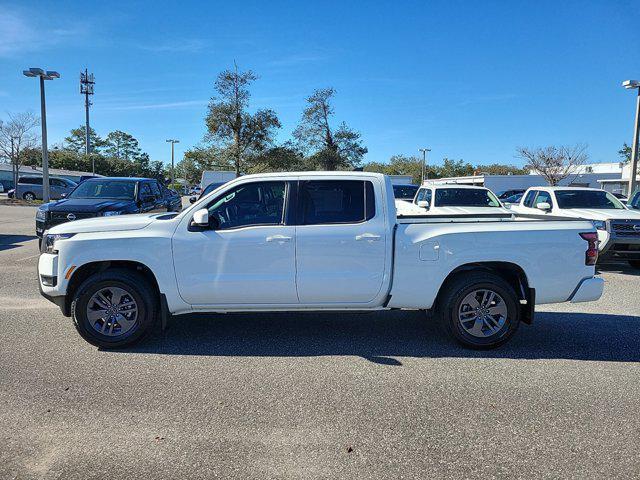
{"type": "Point", "coordinates": [453, 200]}
{"type": "Point", "coordinates": [618, 227]}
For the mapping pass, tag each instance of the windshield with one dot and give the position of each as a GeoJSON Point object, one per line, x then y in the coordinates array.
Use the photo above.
{"type": "Point", "coordinates": [594, 199]}
{"type": "Point", "coordinates": [405, 191]}
{"type": "Point", "coordinates": [465, 197]}
{"type": "Point", "coordinates": [118, 189]}
{"type": "Point", "coordinates": [210, 188]}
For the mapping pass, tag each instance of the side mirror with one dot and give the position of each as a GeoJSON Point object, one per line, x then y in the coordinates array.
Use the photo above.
{"type": "Point", "coordinates": [544, 206]}
{"type": "Point", "coordinates": [192, 199]}
{"type": "Point", "coordinates": [201, 218]}
{"type": "Point", "coordinates": [423, 204]}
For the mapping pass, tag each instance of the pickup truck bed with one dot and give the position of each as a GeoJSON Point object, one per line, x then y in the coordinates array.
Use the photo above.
{"type": "Point", "coordinates": [313, 241]}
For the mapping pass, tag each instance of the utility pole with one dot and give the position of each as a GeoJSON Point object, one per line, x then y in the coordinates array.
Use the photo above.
{"type": "Point", "coordinates": [172, 142]}
{"type": "Point", "coordinates": [87, 82]}
{"type": "Point", "coordinates": [424, 163]}
{"type": "Point", "coordinates": [634, 84]}
{"type": "Point", "coordinates": [13, 166]}
{"type": "Point", "coordinates": [48, 75]}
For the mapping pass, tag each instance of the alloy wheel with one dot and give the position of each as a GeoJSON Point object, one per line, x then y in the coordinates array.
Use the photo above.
{"type": "Point", "coordinates": [112, 311]}
{"type": "Point", "coordinates": [482, 313]}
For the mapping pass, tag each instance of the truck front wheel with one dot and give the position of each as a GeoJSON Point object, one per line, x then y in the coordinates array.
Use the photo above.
{"type": "Point", "coordinates": [114, 308]}
{"type": "Point", "coordinates": [479, 310]}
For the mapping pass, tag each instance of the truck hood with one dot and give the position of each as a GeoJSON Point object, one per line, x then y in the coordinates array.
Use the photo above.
{"type": "Point", "coordinates": [405, 208]}
{"type": "Point", "coordinates": [469, 211]}
{"type": "Point", "coordinates": [599, 214]}
{"type": "Point", "coordinates": [87, 205]}
{"type": "Point", "coordinates": [106, 224]}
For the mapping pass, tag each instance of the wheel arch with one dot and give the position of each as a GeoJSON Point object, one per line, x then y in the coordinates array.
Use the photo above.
{"type": "Point", "coordinates": [509, 272]}
{"type": "Point", "coordinates": [83, 272]}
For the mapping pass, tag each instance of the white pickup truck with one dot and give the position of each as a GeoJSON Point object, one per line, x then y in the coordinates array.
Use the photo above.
{"type": "Point", "coordinates": [453, 200]}
{"type": "Point", "coordinates": [618, 226]}
{"type": "Point", "coordinates": [312, 241]}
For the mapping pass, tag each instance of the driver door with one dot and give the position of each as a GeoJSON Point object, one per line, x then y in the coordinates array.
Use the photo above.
{"type": "Point", "coordinates": [248, 257]}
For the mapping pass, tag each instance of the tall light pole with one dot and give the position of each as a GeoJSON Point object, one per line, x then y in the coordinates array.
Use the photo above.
{"type": "Point", "coordinates": [172, 142]}
{"type": "Point", "coordinates": [43, 75]}
{"type": "Point", "coordinates": [424, 163]}
{"type": "Point", "coordinates": [87, 82]}
{"type": "Point", "coordinates": [630, 85]}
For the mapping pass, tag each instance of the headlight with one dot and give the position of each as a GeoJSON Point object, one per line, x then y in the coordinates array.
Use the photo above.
{"type": "Point", "coordinates": [110, 214]}
{"type": "Point", "coordinates": [41, 215]}
{"type": "Point", "coordinates": [49, 243]}
{"type": "Point", "coordinates": [599, 224]}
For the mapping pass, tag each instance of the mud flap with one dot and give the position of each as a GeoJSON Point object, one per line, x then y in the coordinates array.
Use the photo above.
{"type": "Point", "coordinates": [164, 312]}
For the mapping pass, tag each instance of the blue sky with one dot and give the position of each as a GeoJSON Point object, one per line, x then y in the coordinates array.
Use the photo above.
{"type": "Point", "coordinates": [470, 80]}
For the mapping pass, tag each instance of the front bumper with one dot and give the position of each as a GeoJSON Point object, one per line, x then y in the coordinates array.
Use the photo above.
{"type": "Point", "coordinates": [620, 249]}
{"type": "Point", "coordinates": [621, 242]}
{"type": "Point", "coordinates": [589, 290]}
{"type": "Point", "coordinates": [49, 281]}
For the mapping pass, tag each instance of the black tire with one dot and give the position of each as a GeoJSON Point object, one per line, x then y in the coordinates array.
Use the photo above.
{"type": "Point", "coordinates": [133, 283]}
{"type": "Point", "coordinates": [29, 196]}
{"type": "Point", "coordinates": [634, 263]}
{"type": "Point", "coordinates": [451, 298]}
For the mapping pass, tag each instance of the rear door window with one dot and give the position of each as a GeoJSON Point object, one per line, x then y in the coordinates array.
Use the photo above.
{"type": "Point", "coordinates": [335, 201]}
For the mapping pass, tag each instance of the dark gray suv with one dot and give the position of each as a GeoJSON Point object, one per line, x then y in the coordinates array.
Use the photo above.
{"type": "Point", "coordinates": [30, 188]}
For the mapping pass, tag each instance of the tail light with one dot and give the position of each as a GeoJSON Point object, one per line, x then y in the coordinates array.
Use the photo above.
{"type": "Point", "coordinates": [591, 255]}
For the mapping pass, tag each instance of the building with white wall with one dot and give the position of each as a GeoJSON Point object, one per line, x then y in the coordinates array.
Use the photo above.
{"type": "Point", "coordinates": [588, 175]}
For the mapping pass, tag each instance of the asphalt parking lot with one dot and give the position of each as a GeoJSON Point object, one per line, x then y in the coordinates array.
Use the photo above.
{"type": "Point", "coordinates": [381, 395]}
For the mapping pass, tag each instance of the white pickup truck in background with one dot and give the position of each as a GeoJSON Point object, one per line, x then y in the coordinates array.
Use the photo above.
{"type": "Point", "coordinates": [313, 241]}
{"type": "Point", "coordinates": [453, 200]}
{"type": "Point", "coordinates": [618, 226]}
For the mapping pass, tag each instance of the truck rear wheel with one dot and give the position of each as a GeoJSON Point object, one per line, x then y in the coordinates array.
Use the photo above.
{"type": "Point", "coordinates": [114, 308]}
{"type": "Point", "coordinates": [479, 310]}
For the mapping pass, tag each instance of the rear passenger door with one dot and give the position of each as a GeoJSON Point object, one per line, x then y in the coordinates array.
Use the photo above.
{"type": "Point", "coordinates": [341, 241]}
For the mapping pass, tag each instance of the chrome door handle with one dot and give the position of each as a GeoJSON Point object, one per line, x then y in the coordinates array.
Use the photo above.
{"type": "Point", "coordinates": [368, 236]}
{"type": "Point", "coordinates": [278, 238]}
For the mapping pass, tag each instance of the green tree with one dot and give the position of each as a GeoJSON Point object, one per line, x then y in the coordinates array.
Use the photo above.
{"type": "Point", "coordinates": [455, 168]}
{"type": "Point", "coordinates": [499, 169]}
{"type": "Point", "coordinates": [625, 153]}
{"type": "Point", "coordinates": [403, 165]}
{"type": "Point", "coordinates": [331, 148]}
{"type": "Point", "coordinates": [122, 145]}
{"type": "Point", "coordinates": [283, 158]}
{"type": "Point", "coordinates": [76, 140]}
{"type": "Point", "coordinates": [231, 127]}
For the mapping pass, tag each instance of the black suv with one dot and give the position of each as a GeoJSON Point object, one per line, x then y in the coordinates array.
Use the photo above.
{"type": "Point", "coordinates": [106, 196]}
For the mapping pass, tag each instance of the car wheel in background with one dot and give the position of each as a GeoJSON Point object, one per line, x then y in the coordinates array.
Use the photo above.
{"type": "Point", "coordinates": [114, 308]}
{"type": "Point", "coordinates": [479, 310]}
{"type": "Point", "coordinates": [29, 196]}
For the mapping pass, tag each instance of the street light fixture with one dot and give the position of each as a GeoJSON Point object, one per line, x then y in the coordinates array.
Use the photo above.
{"type": "Point", "coordinates": [43, 75]}
{"type": "Point", "coordinates": [424, 162]}
{"type": "Point", "coordinates": [630, 85]}
{"type": "Point", "coordinates": [172, 142]}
